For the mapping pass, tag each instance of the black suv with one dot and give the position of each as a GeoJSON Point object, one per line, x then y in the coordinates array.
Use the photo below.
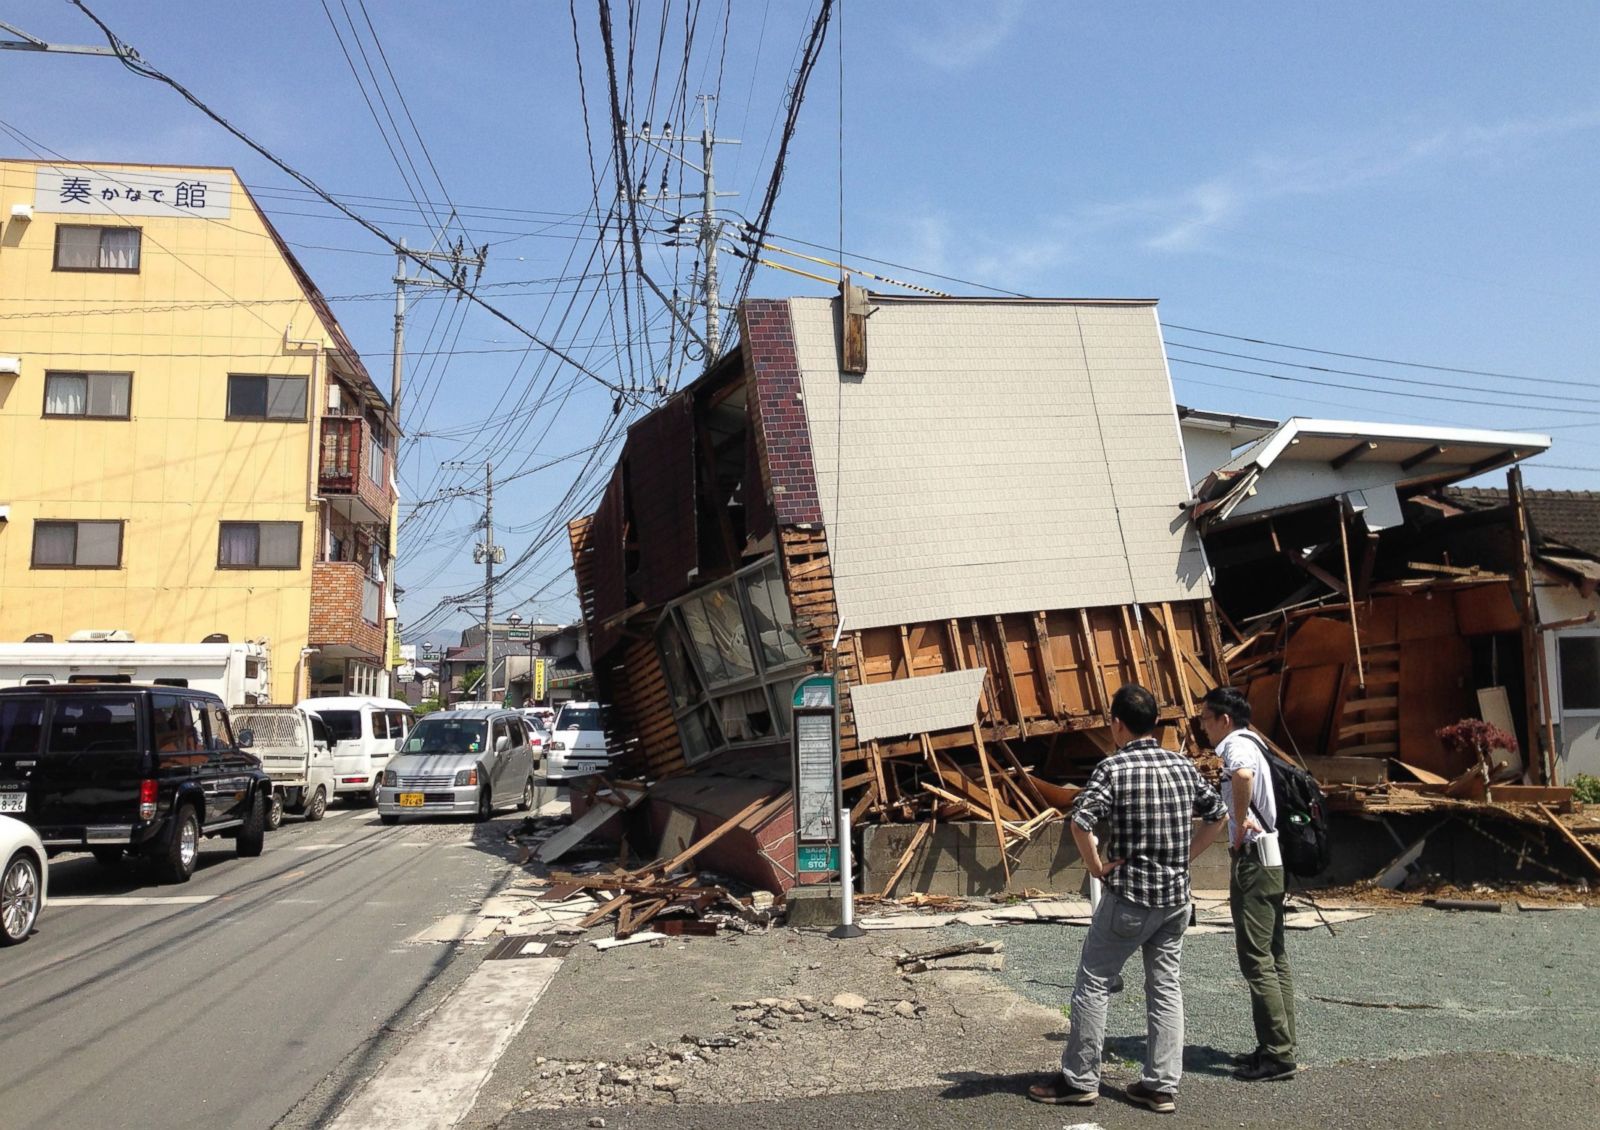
{"type": "Point", "coordinates": [114, 768]}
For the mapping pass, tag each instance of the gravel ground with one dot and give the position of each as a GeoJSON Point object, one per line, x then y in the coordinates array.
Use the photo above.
{"type": "Point", "coordinates": [1516, 981]}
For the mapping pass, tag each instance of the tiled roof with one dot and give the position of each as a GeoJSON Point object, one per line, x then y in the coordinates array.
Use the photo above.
{"type": "Point", "coordinates": [1567, 517]}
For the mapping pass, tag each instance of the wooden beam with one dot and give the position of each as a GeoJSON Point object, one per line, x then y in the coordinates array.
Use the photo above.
{"type": "Point", "coordinates": [1566, 834]}
{"type": "Point", "coordinates": [922, 833]}
{"type": "Point", "coordinates": [988, 783]}
{"type": "Point", "coordinates": [1177, 652]}
{"type": "Point", "coordinates": [1011, 675]}
{"type": "Point", "coordinates": [1345, 458]}
{"type": "Point", "coordinates": [905, 651]}
{"type": "Point", "coordinates": [1150, 673]}
{"type": "Point", "coordinates": [1500, 458]}
{"type": "Point", "coordinates": [1421, 457]}
{"type": "Point", "coordinates": [1092, 650]}
{"type": "Point", "coordinates": [1047, 665]}
{"type": "Point", "coordinates": [1304, 561]}
{"type": "Point", "coordinates": [1350, 595]}
{"type": "Point", "coordinates": [711, 837]}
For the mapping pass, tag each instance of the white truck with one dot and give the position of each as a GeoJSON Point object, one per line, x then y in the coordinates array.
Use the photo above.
{"type": "Point", "coordinates": [296, 749]}
{"type": "Point", "coordinates": [238, 673]}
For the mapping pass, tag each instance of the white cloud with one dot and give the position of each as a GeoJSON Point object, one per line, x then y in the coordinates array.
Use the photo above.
{"type": "Point", "coordinates": [1187, 216]}
{"type": "Point", "coordinates": [954, 36]}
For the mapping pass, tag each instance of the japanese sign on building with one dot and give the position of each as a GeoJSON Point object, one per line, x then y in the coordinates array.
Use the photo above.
{"type": "Point", "coordinates": [85, 191]}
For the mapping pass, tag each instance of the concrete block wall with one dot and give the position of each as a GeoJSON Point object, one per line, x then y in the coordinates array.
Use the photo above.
{"type": "Point", "coordinates": [964, 859]}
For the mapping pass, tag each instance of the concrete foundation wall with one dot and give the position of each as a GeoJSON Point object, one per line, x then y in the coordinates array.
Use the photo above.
{"type": "Point", "coordinates": [964, 859]}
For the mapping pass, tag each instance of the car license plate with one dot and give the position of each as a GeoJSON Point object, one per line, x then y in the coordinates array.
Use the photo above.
{"type": "Point", "coordinates": [409, 800]}
{"type": "Point", "coordinates": [13, 802]}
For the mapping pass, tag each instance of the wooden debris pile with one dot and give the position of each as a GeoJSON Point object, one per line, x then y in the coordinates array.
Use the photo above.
{"type": "Point", "coordinates": [668, 895]}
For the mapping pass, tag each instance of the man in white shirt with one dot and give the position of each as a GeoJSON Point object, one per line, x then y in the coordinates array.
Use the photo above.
{"type": "Point", "coordinates": [1255, 889]}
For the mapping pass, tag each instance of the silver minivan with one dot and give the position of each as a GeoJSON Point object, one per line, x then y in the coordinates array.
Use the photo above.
{"type": "Point", "coordinates": [460, 762]}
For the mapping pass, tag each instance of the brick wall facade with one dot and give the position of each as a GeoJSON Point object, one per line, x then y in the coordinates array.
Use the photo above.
{"type": "Point", "coordinates": [783, 437]}
{"type": "Point", "coordinates": [336, 591]}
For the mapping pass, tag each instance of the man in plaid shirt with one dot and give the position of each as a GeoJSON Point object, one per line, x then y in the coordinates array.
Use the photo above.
{"type": "Point", "coordinates": [1150, 797]}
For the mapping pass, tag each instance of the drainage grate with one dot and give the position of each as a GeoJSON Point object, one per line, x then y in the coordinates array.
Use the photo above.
{"type": "Point", "coordinates": [529, 945]}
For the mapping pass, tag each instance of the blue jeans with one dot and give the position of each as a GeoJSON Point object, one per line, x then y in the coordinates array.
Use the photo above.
{"type": "Point", "coordinates": [1119, 928]}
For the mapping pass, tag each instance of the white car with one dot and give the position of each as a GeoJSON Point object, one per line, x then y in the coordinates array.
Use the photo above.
{"type": "Point", "coordinates": [577, 746]}
{"type": "Point", "coordinates": [24, 880]}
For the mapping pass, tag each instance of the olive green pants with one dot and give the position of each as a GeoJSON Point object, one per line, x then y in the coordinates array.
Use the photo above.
{"type": "Point", "coordinates": [1256, 898]}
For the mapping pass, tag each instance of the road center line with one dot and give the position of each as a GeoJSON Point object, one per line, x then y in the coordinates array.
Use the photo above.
{"type": "Point", "coordinates": [127, 900]}
{"type": "Point", "coordinates": [435, 1078]}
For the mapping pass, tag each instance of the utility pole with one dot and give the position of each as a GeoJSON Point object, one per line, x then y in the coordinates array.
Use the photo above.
{"type": "Point", "coordinates": [458, 261]}
{"type": "Point", "coordinates": [709, 226]}
{"type": "Point", "coordinates": [489, 555]}
{"type": "Point", "coordinates": [26, 42]}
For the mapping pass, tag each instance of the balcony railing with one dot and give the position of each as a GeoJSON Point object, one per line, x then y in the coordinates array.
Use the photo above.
{"type": "Point", "coordinates": [354, 463]}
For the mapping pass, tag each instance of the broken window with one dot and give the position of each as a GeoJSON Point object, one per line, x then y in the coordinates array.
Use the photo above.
{"type": "Point", "coordinates": [773, 619]}
{"type": "Point", "coordinates": [716, 628]}
{"type": "Point", "coordinates": [1580, 672]}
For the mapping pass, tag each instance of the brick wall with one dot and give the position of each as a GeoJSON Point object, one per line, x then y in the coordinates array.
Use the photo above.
{"type": "Point", "coordinates": [783, 437]}
{"type": "Point", "coordinates": [336, 590]}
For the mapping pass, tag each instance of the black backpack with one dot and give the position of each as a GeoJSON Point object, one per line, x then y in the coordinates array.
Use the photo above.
{"type": "Point", "coordinates": [1302, 815]}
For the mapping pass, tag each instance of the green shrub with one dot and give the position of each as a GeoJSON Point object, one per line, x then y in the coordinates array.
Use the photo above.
{"type": "Point", "coordinates": [1586, 788]}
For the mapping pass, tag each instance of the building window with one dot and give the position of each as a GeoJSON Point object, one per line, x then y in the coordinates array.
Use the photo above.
{"type": "Point", "coordinates": [259, 545]}
{"type": "Point", "coordinates": [99, 396]}
{"type": "Point", "coordinates": [77, 545]}
{"type": "Point", "coordinates": [731, 656]}
{"type": "Point", "coordinates": [80, 247]}
{"type": "Point", "coordinates": [1579, 660]}
{"type": "Point", "coordinates": [266, 398]}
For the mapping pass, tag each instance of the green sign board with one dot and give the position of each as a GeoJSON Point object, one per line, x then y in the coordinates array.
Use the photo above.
{"type": "Point", "coordinates": [816, 857]}
{"type": "Point", "coordinates": [814, 693]}
{"type": "Point", "coordinates": [519, 634]}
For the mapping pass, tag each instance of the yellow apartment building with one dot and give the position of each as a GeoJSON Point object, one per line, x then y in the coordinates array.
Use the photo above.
{"type": "Point", "coordinates": [190, 447]}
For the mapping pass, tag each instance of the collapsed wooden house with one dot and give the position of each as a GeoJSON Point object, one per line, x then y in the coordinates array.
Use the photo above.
{"type": "Point", "coordinates": [967, 509]}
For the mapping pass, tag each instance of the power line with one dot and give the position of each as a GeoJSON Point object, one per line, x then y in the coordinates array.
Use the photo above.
{"type": "Point", "coordinates": [131, 60]}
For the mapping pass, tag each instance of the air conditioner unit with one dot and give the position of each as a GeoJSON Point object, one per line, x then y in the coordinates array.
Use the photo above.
{"type": "Point", "coordinates": [101, 635]}
{"type": "Point", "coordinates": [22, 211]}
{"type": "Point", "coordinates": [11, 366]}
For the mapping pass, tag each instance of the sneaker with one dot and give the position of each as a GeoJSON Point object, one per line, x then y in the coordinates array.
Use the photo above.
{"type": "Point", "coordinates": [1055, 1091]}
{"type": "Point", "coordinates": [1265, 1069]}
{"type": "Point", "coordinates": [1245, 1059]}
{"type": "Point", "coordinates": [1162, 1102]}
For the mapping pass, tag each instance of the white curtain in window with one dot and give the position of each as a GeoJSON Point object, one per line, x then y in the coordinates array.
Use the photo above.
{"type": "Point", "coordinates": [240, 545]}
{"type": "Point", "coordinates": [99, 543]}
{"type": "Point", "coordinates": [78, 247]}
{"type": "Point", "coordinates": [119, 249]}
{"type": "Point", "coordinates": [65, 394]}
{"type": "Point", "coordinates": [280, 544]}
{"type": "Point", "coordinates": [286, 398]}
{"type": "Point", "coordinates": [54, 543]}
{"type": "Point", "coordinates": [108, 394]}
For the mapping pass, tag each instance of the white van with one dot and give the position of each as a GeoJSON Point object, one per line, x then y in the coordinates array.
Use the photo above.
{"type": "Point", "coordinates": [366, 732]}
{"type": "Point", "coordinates": [577, 745]}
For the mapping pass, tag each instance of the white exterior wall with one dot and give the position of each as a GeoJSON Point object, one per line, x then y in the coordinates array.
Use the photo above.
{"type": "Point", "coordinates": [1580, 729]}
{"type": "Point", "coordinates": [997, 457]}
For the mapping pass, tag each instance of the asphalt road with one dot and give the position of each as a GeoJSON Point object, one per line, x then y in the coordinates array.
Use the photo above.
{"type": "Point", "coordinates": [1470, 1092]}
{"type": "Point", "coordinates": [274, 994]}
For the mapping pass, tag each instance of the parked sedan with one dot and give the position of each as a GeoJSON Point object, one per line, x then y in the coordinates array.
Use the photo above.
{"type": "Point", "coordinates": [460, 762]}
{"type": "Point", "coordinates": [24, 880]}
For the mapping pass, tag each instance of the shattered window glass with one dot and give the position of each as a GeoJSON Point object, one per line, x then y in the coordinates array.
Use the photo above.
{"type": "Point", "coordinates": [774, 619]}
{"type": "Point", "coordinates": [716, 628]}
{"type": "Point", "coordinates": [681, 680]}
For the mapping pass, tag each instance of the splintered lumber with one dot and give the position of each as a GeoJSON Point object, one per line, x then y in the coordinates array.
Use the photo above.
{"type": "Point", "coordinates": [1464, 904]}
{"type": "Point", "coordinates": [959, 949]}
{"type": "Point", "coordinates": [586, 825]}
{"type": "Point", "coordinates": [994, 803]}
{"type": "Point", "coordinates": [917, 837]}
{"type": "Point", "coordinates": [1566, 834]}
{"type": "Point", "coordinates": [711, 837]}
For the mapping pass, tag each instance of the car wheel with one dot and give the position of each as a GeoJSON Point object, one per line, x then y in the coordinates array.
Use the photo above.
{"type": "Point", "coordinates": [371, 799]}
{"type": "Point", "coordinates": [274, 813]}
{"type": "Point", "coordinates": [107, 856]}
{"type": "Point", "coordinates": [526, 803]}
{"type": "Point", "coordinates": [182, 850]}
{"type": "Point", "coordinates": [253, 834]}
{"type": "Point", "coordinates": [20, 896]}
{"type": "Point", "coordinates": [317, 808]}
{"type": "Point", "coordinates": [389, 818]}
{"type": "Point", "coordinates": [485, 804]}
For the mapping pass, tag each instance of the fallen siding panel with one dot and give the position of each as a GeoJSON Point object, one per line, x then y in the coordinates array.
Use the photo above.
{"type": "Point", "coordinates": [921, 705]}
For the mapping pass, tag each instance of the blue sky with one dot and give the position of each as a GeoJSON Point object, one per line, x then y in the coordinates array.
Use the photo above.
{"type": "Point", "coordinates": [1409, 182]}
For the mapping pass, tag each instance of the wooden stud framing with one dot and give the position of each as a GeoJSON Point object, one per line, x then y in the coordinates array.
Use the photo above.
{"type": "Point", "coordinates": [988, 784]}
{"type": "Point", "coordinates": [1011, 676]}
{"type": "Point", "coordinates": [1093, 652]}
